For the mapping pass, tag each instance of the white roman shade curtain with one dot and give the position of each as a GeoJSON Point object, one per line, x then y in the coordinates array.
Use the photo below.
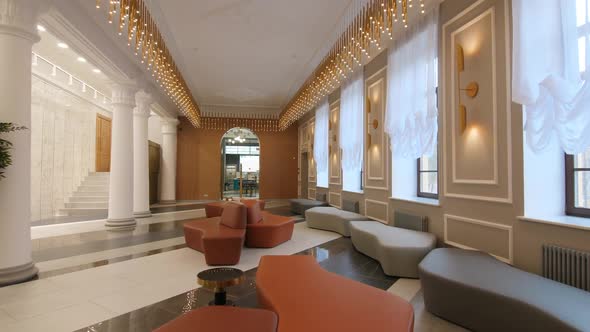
{"type": "Point", "coordinates": [320, 144]}
{"type": "Point", "coordinates": [351, 130]}
{"type": "Point", "coordinates": [550, 67]}
{"type": "Point", "coordinates": [411, 119]}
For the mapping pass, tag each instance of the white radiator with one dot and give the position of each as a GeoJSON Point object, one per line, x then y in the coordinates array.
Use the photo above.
{"type": "Point", "coordinates": [568, 266]}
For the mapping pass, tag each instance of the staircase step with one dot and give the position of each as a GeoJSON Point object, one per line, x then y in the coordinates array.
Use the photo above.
{"type": "Point", "coordinates": [87, 205]}
{"type": "Point", "coordinates": [93, 188]}
{"type": "Point", "coordinates": [90, 194]}
{"type": "Point", "coordinates": [99, 174]}
{"type": "Point", "coordinates": [82, 199]}
{"type": "Point", "coordinates": [82, 212]}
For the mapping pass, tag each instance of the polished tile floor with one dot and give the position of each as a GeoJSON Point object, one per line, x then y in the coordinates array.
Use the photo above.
{"type": "Point", "coordinates": [138, 280]}
{"type": "Point", "coordinates": [337, 256]}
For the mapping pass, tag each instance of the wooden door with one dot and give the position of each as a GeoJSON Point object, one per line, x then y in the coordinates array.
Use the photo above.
{"type": "Point", "coordinates": [103, 143]}
{"type": "Point", "coordinates": [154, 169]}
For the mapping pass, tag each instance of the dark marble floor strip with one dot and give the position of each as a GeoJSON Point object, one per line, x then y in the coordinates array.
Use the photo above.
{"type": "Point", "coordinates": [337, 256]}
{"type": "Point", "coordinates": [104, 215]}
{"type": "Point", "coordinates": [103, 262]}
{"type": "Point", "coordinates": [91, 242]}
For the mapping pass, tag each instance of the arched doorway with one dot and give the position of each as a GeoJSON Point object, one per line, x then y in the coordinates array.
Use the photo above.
{"type": "Point", "coordinates": [240, 150]}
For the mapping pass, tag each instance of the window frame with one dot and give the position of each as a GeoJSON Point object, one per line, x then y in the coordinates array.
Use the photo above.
{"type": "Point", "coordinates": [419, 172]}
{"type": "Point", "coordinates": [570, 195]}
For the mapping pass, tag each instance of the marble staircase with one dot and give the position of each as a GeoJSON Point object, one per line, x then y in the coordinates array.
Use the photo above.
{"type": "Point", "coordinates": [91, 198]}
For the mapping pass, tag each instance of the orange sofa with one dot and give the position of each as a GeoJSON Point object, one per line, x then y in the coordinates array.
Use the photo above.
{"type": "Point", "coordinates": [308, 298]}
{"type": "Point", "coordinates": [223, 319]}
{"type": "Point", "coordinates": [220, 238]}
{"type": "Point", "coordinates": [264, 229]}
{"type": "Point", "coordinates": [214, 209]}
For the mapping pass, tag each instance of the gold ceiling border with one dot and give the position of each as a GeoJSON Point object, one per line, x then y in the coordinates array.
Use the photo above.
{"type": "Point", "coordinates": [133, 19]}
{"type": "Point", "coordinates": [256, 125]}
{"type": "Point", "coordinates": [361, 39]}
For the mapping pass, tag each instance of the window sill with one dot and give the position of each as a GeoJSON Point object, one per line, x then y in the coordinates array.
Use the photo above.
{"type": "Point", "coordinates": [418, 200]}
{"type": "Point", "coordinates": [560, 221]}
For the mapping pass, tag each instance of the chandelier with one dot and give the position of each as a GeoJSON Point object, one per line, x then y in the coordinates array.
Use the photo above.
{"type": "Point", "coordinates": [372, 23]}
{"type": "Point", "coordinates": [133, 20]}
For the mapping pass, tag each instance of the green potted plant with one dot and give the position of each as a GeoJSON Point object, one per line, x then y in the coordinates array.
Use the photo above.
{"type": "Point", "coordinates": [6, 146]}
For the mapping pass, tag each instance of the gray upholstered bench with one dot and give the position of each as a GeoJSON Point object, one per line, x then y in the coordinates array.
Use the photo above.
{"type": "Point", "coordinates": [477, 291]}
{"type": "Point", "coordinates": [300, 205]}
{"type": "Point", "coordinates": [333, 219]}
{"type": "Point", "coordinates": [398, 250]}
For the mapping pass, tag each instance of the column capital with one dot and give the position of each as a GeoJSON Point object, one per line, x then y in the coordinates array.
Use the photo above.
{"type": "Point", "coordinates": [19, 18]}
{"type": "Point", "coordinates": [143, 101]}
{"type": "Point", "coordinates": [123, 94]}
{"type": "Point", "coordinates": [169, 125]}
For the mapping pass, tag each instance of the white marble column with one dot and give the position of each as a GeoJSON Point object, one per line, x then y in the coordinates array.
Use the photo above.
{"type": "Point", "coordinates": [168, 167]}
{"type": "Point", "coordinates": [17, 35]}
{"type": "Point", "coordinates": [121, 178]}
{"type": "Point", "coordinates": [141, 172]}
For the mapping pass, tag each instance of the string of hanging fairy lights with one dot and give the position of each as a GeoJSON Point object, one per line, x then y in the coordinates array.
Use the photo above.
{"type": "Point", "coordinates": [133, 20]}
{"type": "Point", "coordinates": [372, 22]}
{"type": "Point", "coordinates": [257, 125]}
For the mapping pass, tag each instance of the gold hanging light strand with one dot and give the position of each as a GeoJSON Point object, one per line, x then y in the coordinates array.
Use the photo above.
{"type": "Point", "coordinates": [134, 19]}
{"type": "Point", "coordinates": [360, 40]}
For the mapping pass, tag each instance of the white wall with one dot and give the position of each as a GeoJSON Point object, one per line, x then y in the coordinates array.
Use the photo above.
{"type": "Point", "coordinates": [63, 137]}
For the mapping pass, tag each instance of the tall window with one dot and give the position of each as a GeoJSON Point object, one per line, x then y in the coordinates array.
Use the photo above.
{"type": "Point", "coordinates": [428, 176]}
{"type": "Point", "coordinates": [577, 167]}
{"type": "Point", "coordinates": [320, 147]}
{"type": "Point", "coordinates": [352, 131]}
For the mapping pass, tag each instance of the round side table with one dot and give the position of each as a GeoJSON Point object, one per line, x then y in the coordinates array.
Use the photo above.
{"type": "Point", "coordinates": [218, 279]}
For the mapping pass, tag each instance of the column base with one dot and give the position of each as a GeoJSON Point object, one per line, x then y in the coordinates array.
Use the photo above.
{"type": "Point", "coordinates": [143, 214]}
{"type": "Point", "coordinates": [168, 201]}
{"type": "Point", "coordinates": [121, 224]}
{"type": "Point", "coordinates": [18, 274]}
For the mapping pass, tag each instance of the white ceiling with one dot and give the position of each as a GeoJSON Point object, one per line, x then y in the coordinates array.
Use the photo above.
{"type": "Point", "coordinates": [67, 59]}
{"type": "Point", "coordinates": [253, 53]}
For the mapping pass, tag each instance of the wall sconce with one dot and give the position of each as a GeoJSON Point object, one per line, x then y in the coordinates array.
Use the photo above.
{"type": "Point", "coordinates": [471, 89]}
{"type": "Point", "coordinates": [334, 138]}
{"type": "Point", "coordinates": [369, 143]}
{"type": "Point", "coordinates": [375, 124]}
{"type": "Point", "coordinates": [368, 105]}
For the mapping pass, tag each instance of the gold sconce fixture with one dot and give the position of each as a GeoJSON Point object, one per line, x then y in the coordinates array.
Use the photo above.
{"type": "Point", "coordinates": [375, 124]}
{"type": "Point", "coordinates": [369, 143]}
{"type": "Point", "coordinates": [368, 105]}
{"type": "Point", "coordinates": [334, 138]}
{"type": "Point", "coordinates": [471, 90]}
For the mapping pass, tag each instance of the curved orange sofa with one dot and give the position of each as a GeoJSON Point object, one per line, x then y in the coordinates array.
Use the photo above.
{"type": "Point", "coordinates": [214, 209]}
{"type": "Point", "coordinates": [308, 298]}
{"type": "Point", "coordinates": [220, 238]}
{"type": "Point", "coordinates": [264, 229]}
{"type": "Point", "coordinates": [223, 319]}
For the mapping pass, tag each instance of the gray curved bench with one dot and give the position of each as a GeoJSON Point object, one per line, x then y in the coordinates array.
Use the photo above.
{"type": "Point", "coordinates": [398, 250]}
{"type": "Point", "coordinates": [477, 291]}
{"type": "Point", "coordinates": [332, 219]}
{"type": "Point", "coordinates": [300, 205]}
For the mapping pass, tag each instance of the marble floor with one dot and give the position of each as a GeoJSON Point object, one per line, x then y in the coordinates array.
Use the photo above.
{"type": "Point", "coordinates": [94, 280]}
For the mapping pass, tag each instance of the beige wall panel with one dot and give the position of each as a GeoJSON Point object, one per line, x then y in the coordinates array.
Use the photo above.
{"type": "Point", "coordinates": [467, 233]}
{"type": "Point", "coordinates": [477, 162]}
{"type": "Point", "coordinates": [335, 199]}
{"type": "Point", "coordinates": [377, 210]}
